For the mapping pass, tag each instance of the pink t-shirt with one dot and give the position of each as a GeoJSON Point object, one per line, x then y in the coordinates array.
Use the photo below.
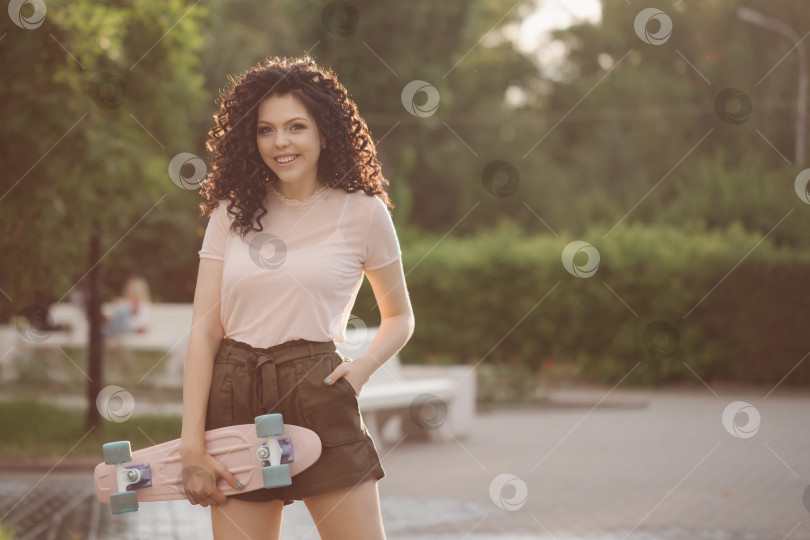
{"type": "Point", "coordinates": [299, 277]}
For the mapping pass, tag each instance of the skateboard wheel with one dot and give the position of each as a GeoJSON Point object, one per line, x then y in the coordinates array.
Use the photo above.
{"type": "Point", "coordinates": [276, 476]}
{"type": "Point", "coordinates": [117, 452]}
{"type": "Point", "coordinates": [269, 425]}
{"type": "Point", "coordinates": [122, 503]}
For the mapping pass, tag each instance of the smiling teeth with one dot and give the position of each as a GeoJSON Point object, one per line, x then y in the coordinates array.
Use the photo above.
{"type": "Point", "coordinates": [286, 159]}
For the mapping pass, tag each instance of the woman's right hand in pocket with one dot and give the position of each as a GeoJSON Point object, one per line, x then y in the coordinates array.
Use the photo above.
{"type": "Point", "coordinates": [200, 472]}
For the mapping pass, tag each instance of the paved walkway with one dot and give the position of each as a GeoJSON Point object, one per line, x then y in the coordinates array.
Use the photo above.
{"type": "Point", "coordinates": [642, 465]}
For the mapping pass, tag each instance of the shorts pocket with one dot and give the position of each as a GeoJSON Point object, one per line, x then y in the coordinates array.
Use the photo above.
{"type": "Point", "coordinates": [220, 400]}
{"type": "Point", "coordinates": [342, 381]}
{"type": "Point", "coordinates": [331, 411]}
{"type": "Point", "coordinates": [347, 386]}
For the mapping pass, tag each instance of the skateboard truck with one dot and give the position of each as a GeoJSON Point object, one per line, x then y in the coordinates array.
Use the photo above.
{"type": "Point", "coordinates": [275, 450]}
{"type": "Point", "coordinates": [135, 477]}
{"type": "Point", "coordinates": [128, 479]}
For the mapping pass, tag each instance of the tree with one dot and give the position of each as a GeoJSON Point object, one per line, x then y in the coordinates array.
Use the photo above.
{"type": "Point", "coordinates": [93, 115]}
{"type": "Point", "coordinates": [648, 104]}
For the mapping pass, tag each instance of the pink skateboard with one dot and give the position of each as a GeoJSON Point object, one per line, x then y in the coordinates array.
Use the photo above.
{"type": "Point", "coordinates": [265, 454]}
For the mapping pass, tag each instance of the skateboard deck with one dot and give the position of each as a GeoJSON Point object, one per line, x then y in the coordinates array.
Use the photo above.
{"type": "Point", "coordinates": [264, 454]}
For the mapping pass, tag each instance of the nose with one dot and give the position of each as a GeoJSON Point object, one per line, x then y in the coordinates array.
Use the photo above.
{"type": "Point", "coordinates": [281, 139]}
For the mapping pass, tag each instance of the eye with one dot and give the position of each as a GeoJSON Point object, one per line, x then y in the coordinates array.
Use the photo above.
{"type": "Point", "coordinates": [261, 130]}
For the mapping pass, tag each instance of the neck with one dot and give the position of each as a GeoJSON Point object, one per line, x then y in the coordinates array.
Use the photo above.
{"type": "Point", "coordinates": [297, 190]}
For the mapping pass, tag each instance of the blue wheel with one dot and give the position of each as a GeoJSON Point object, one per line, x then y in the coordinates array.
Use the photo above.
{"type": "Point", "coordinates": [117, 452]}
{"type": "Point", "coordinates": [276, 476]}
{"type": "Point", "coordinates": [269, 425]}
{"type": "Point", "coordinates": [122, 503]}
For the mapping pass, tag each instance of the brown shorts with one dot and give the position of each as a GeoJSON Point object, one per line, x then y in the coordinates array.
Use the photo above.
{"type": "Point", "coordinates": [288, 379]}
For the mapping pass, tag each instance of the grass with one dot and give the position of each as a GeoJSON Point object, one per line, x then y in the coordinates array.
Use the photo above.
{"type": "Point", "coordinates": [63, 370]}
{"type": "Point", "coordinates": [33, 429]}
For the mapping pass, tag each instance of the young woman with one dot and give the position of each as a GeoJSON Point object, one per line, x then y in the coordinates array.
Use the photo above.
{"type": "Point", "coordinates": [298, 216]}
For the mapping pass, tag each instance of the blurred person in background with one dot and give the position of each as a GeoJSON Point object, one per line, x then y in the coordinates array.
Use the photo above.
{"type": "Point", "coordinates": [130, 311]}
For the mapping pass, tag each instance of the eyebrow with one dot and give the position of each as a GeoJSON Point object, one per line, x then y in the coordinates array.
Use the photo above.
{"type": "Point", "coordinates": [287, 122]}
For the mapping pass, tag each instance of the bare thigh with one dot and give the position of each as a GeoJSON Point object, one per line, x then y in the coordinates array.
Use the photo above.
{"type": "Point", "coordinates": [247, 520]}
{"type": "Point", "coordinates": [351, 513]}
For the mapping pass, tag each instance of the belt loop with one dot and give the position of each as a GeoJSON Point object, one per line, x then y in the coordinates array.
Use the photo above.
{"type": "Point", "coordinates": [224, 349]}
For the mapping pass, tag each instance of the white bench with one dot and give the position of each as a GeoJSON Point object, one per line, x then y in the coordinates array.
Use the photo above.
{"type": "Point", "coordinates": [435, 401]}
{"type": "Point", "coordinates": [169, 326]}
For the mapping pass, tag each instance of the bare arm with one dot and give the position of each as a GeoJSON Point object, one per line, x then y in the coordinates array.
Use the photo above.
{"type": "Point", "coordinates": [396, 324]}
{"type": "Point", "coordinates": [200, 469]}
{"type": "Point", "coordinates": [204, 341]}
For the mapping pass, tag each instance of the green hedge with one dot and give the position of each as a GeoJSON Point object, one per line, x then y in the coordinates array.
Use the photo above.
{"type": "Point", "coordinates": [469, 295]}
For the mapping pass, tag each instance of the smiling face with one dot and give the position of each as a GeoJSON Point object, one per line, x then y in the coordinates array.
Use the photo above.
{"type": "Point", "coordinates": [289, 141]}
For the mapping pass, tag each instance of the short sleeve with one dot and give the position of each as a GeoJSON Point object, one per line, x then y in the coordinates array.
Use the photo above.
{"type": "Point", "coordinates": [216, 234]}
{"type": "Point", "coordinates": [382, 245]}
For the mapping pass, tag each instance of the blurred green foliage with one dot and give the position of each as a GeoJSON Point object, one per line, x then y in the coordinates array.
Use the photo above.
{"type": "Point", "coordinates": [647, 140]}
{"type": "Point", "coordinates": [93, 111]}
{"type": "Point", "coordinates": [734, 298]}
{"type": "Point", "coordinates": [619, 138]}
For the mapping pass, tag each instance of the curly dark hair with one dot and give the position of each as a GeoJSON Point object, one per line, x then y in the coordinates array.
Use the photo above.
{"type": "Point", "coordinates": [237, 170]}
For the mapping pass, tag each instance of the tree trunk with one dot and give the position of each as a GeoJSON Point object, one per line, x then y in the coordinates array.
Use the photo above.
{"type": "Point", "coordinates": [94, 339]}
